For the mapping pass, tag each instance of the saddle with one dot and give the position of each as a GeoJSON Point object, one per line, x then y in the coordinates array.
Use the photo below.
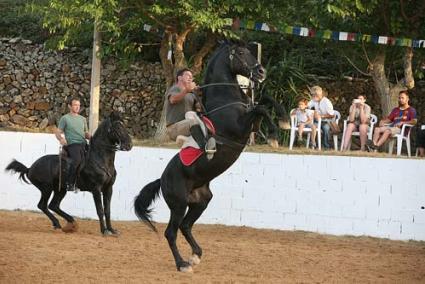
{"type": "Point", "coordinates": [64, 155]}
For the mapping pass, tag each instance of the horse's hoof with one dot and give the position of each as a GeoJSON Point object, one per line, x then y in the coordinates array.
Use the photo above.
{"type": "Point", "coordinates": [284, 125]}
{"type": "Point", "coordinates": [186, 269]}
{"type": "Point", "coordinates": [115, 232]}
{"type": "Point", "coordinates": [108, 233]}
{"type": "Point", "coordinates": [70, 227]}
{"type": "Point", "coordinates": [194, 259]}
{"type": "Point", "coordinates": [273, 143]}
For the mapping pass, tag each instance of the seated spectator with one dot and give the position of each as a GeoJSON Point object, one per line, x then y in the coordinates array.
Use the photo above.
{"type": "Point", "coordinates": [391, 125]}
{"type": "Point", "coordinates": [421, 141]}
{"type": "Point", "coordinates": [305, 118]}
{"type": "Point", "coordinates": [358, 120]}
{"type": "Point", "coordinates": [325, 110]}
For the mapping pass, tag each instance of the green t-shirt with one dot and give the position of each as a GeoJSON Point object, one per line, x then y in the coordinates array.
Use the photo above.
{"type": "Point", "coordinates": [74, 127]}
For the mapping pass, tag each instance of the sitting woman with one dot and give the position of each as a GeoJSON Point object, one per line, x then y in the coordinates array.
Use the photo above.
{"type": "Point", "coordinates": [358, 120]}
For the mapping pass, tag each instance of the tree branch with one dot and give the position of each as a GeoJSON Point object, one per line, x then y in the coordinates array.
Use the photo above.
{"type": "Point", "coordinates": [358, 70]}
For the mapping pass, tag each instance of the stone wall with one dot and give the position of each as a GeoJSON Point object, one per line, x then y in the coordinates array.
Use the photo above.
{"type": "Point", "coordinates": [35, 84]}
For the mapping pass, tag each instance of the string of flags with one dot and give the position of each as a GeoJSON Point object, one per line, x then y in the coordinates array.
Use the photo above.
{"type": "Point", "coordinates": [327, 34]}
{"type": "Point", "coordinates": [237, 24]}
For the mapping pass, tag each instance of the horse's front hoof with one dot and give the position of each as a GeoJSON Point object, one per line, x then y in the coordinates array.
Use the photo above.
{"type": "Point", "coordinates": [115, 232]}
{"type": "Point", "coordinates": [194, 259]}
{"type": "Point", "coordinates": [186, 269]}
{"type": "Point", "coordinates": [70, 227]}
{"type": "Point", "coordinates": [273, 143]}
{"type": "Point", "coordinates": [108, 233]}
{"type": "Point", "coordinates": [284, 125]}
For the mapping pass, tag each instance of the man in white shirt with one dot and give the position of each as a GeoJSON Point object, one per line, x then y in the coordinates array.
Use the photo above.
{"type": "Point", "coordinates": [324, 109]}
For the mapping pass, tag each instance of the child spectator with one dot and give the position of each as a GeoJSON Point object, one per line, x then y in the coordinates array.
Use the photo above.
{"type": "Point", "coordinates": [305, 118]}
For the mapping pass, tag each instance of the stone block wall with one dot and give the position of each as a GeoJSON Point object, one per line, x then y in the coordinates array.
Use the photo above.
{"type": "Point", "coordinates": [35, 84]}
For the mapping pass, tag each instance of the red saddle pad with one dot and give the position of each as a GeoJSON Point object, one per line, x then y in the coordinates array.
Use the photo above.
{"type": "Point", "coordinates": [189, 155]}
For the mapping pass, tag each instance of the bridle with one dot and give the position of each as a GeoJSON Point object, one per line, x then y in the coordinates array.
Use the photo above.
{"type": "Point", "coordinates": [116, 146]}
{"type": "Point", "coordinates": [232, 55]}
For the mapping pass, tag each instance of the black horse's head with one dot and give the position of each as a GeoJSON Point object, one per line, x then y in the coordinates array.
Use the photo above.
{"type": "Point", "coordinates": [117, 133]}
{"type": "Point", "coordinates": [243, 62]}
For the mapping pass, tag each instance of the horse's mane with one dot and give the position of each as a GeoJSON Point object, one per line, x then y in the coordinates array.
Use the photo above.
{"type": "Point", "coordinates": [101, 128]}
{"type": "Point", "coordinates": [214, 56]}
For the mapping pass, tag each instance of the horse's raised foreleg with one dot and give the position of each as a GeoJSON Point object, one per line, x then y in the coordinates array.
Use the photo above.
{"type": "Point", "coordinates": [198, 202]}
{"type": "Point", "coordinates": [260, 113]}
{"type": "Point", "coordinates": [46, 192]}
{"type": "Point", "coordinates": [281, 113]}
{"type": "Point", "coordinates": [99, 209]}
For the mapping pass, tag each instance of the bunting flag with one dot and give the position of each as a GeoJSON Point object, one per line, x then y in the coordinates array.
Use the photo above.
{"type": "Point", "coordinates": [237, 24]}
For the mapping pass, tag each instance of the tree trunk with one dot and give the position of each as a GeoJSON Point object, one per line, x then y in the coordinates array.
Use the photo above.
{"type": "Point", "coordinates": [95, 82]}
{"type": "Point", "coordinates": [168, 69]}
{"type": "Point", "coordinates": [167, 63]}
{"type": "Point", "coordinates": [198, 59]}
{"type": "Point", "coordinates": [388, 92]}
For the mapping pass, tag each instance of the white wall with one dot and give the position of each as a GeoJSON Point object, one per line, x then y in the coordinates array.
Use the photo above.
{"type": "Point", "coordinates": [379, 197]}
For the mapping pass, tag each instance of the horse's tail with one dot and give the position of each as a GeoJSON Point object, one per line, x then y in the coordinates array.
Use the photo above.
{"type": "Point", "coordinates": [17, 167]}
{"type": "Point", "coordinates": [145, 198]}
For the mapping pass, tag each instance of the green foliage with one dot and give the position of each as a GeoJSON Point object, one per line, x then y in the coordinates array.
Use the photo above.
{"type": "Point", "coordinates": [16, 22]}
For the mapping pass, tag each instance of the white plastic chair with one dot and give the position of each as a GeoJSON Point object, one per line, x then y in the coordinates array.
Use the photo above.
{"type": "Point", "coordinates": [372, 121]}
{"type": "Point", "coordinates": [335, 136]}
{"type": "Point", "coordinates": [403, 136]}
{"type": "Point", "coordinates": [294, 131]}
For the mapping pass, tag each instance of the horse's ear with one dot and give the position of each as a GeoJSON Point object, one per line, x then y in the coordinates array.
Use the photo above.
{"type": "Point", "coordinates": [114, 116]}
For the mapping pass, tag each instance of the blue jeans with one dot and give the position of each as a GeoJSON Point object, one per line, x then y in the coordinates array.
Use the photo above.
{"type": "Point", "coordinates": [326, 134]}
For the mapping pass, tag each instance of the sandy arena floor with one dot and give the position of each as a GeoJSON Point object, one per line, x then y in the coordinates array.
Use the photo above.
{"type": "Point", "coordinates": [32, 252]}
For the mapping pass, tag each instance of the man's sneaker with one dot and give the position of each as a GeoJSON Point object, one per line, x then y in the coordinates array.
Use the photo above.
{"type": "Point", "coordinates": [210, 148]}
{"type": "Point", "coordinates": [371, 147]}
{"type": "Point", "coordinates": [313, 146]}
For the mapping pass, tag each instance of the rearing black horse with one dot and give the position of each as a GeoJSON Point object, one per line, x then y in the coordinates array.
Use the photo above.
{"type": "Point", "coordinates": [233, 116]}
{"type": "Point", "coordinates": [97, 174]}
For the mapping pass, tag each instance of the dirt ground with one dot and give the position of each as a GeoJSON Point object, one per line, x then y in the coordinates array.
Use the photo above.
{"type": "Point", "coordinates": [32, 252]}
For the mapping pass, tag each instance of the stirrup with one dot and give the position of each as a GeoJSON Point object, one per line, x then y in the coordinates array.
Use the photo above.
{"type": "Point", "coordinates": [210, 148]}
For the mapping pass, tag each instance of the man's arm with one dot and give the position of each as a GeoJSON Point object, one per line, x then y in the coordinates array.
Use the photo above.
{"type": "Point", "coordinates": [329, 110]}
{"type": "Point", "coordinates": [59, 135]}
{"type": "Point", "coordinates": [177, 96]}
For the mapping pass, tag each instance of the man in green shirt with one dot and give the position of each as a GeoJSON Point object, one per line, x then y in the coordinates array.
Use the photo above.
{"type": "Point", "coordinates": [72, 133]}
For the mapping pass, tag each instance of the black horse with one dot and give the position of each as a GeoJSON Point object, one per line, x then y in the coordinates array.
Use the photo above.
{"type": "Point", "coordinates": [233, 116]}
{"type": "Point", "coordinates": [97, 174]}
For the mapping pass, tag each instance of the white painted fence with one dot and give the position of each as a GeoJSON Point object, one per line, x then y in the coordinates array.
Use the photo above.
{"type": "Point", "coordinates": [381, 197]}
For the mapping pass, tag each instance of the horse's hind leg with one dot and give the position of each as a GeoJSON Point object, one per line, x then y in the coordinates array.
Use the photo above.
{"type": "Point", "coordinates": [198, 202]}
{"type": "Point", "coordinates": [176, 201]}
{"type": "Point", "coordinates": [54, 205]}
{"type": "Point", "coordinates": [42, 204]}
